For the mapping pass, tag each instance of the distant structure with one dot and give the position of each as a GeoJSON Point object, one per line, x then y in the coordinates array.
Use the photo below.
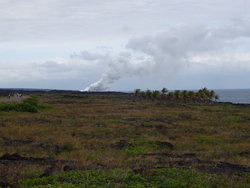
{"type": "Point", "coordinates": [18, 95]}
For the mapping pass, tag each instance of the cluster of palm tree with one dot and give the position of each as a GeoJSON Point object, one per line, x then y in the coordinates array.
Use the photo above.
{"type": "Point", "coordinates": [184, 95]}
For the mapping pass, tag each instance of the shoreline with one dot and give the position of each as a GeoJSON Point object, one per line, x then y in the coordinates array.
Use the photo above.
{"type": "Point", "coordinates": [26, 91]}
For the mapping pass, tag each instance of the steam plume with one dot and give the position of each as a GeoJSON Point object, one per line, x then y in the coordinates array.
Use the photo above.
{"type": "Point", "coordinates": [166, 53]}
{"type": "Point", "coordinates": [122, 65]}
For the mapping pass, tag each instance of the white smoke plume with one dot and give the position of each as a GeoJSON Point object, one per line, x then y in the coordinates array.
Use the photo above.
{"type": "Point", "coordinates": [166, 53]}
{"type": "Point", "coordinates": [123, 64]}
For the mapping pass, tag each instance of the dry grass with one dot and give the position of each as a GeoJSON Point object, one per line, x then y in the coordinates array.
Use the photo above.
{"type": "Point", "coordinates": [85, 128]}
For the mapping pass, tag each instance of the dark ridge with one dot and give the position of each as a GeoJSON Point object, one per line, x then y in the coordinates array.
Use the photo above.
{"type": "Point", "coordinates": [10, 158]}
{"type": "Point", "coordinates": [185, 155]}
{"type": "Point", "coordinates": [27, 91]}
{"type": "Point", "coordinates": [7, 91]}
{"type": "Point", "coordinates": [234, 104]}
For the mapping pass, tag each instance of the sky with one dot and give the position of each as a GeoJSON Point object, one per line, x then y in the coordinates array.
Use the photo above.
{"type": "Point", "coordinates": [119, 45]}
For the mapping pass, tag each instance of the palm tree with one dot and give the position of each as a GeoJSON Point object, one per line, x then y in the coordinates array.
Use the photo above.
{"type": "Point", "coordinates": [206, 92]}
{"type": "Point", "coordinates": [164, 90]}
{"type": "Point", "coordinates": [137, 92]}
{"type": "Point", "coordinates": [143, 94]}
{"type": "Point", "coordinates": [216, 97]}
{"type": "Point", "coordinates": [202, 95]}
{"type": "Point", "coordinates": [191, 95]}
{"type": "Point", "coordinates": [185, 94]}
{"type": "Point", "coordinates": [164, 93]}
{"type": "Point", "coordinates": [148, 93]}
{"type": "Point", "coordinates": [177, 94]}
{"type": "Point", "coordinates": [211, 94]}
{"type": "Point", "coordinates": [198, 95]}
{"type": "Point", "coordinates": [156, 94]}
{"type": "Point", "coordinates": [171, 95]}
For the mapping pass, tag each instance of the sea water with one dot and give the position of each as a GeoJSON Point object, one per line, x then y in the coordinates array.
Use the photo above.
{"type": "Point", "coordinates": [234, 95]}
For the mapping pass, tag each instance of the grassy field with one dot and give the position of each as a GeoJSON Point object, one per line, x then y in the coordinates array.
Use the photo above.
{"type": "Point", "coordinates": [120, 140]}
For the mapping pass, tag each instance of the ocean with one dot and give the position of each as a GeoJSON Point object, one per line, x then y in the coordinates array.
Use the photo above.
{"type": "Point", "coordinates": [225, 95]}
{"type": "Point", "coordinates": [234, 95]}
{"type": "Point", "coordinates": [241, 96]}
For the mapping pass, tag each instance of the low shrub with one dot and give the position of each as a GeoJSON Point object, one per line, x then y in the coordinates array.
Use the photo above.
{"type": "Point", "coordinates": [67, 147]}
{"type": "Point", "coordinates": [28, 105]}
{"type": "Point", "coordinates": [166, 177]}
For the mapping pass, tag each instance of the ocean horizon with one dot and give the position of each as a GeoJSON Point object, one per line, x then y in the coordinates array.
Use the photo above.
{"type": "Point", "coordinates": [234, 95]}
{"type": "Point", "coordinates": [241, 96]}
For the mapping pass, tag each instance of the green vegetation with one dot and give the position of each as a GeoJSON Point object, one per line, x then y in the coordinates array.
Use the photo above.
{"type": "Point", "coordinates": [123, 140]}
{"type": "Point", "coordinates": [208, 140]}
{"type": "Point", "coordinates": [147, 146]}
{"type": "Point", "coordinates": [165, 178]}
{"type": "Point", "coordinates": [27, 105]}
{"type": "Point", "coordinates": [203, 95]}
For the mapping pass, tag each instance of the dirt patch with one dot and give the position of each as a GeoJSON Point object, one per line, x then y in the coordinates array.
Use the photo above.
{"type": "Point", "coordinates": [62, 102]}
{"type": "Point", "coordinates": [50, 146]}
{"type": "Point", "coordinates": [4, 185]}
{"type": "Point", "coordinates": [131, 119]}
{"type": "Point", "coordinates": [160, 127]}
{"type": "Point", "coordinates": [162, 120]}
{"type": "Point", "coordinates": [167, 145]}
{"type": "Point", "coordinates": [188, 160]}
{"type": "Point", "coordinates": [244, 154]}
{"type": "Point", "coordinates": [121, 144]}
{"type": "Point", "coordinates": [169, 155]}
{"type": "Point", "coordinates": [223, 168]}
{"type": "Point", "coordinates": [10, 158]}
{"type": "Point", "coordinates": [16, 142]}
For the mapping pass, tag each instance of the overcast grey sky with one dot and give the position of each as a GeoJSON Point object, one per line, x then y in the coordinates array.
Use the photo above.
{"type": "Point", "coordinates": [123, 45]}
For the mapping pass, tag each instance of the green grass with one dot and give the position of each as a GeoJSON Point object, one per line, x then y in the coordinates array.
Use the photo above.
{"type": "Point", "coordinates": [145, 146]}
{"type": "Point", "coordinates": [208, 140]}
{"type": "Point", "coordinates": [27, 105]}
{"type": "Point", "coordinates": [165, 178]}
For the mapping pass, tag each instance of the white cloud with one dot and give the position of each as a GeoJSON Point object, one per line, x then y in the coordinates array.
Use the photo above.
{"type": "Point", "coordinates": [181, 48]}
{"type": "Point", "coordinates": [228, 61]}
{"type": "Point", "coordinates": [166, 38]}
{"type": "Point", "coordinates": [53, 69]}
{"type": "Point", "coordinates": [63, 20]}
{"type": "Point", "coordinates": [176, 49]}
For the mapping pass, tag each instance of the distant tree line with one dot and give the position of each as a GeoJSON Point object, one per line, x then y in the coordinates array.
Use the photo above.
{"type": "Point", "coordinates": [202, 95]}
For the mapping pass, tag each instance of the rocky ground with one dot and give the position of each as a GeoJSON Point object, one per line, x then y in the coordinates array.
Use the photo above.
{"type": "Point", "coordinates": [89, 132]}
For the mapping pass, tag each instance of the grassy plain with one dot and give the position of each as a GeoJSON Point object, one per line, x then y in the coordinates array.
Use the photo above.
{"type": "Point", "coordinates": [119, 140]}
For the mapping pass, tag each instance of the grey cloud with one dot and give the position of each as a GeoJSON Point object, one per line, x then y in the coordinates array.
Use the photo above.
{"type": "Point", "coordinates": [88, 56]}
{"type": "Point", "coordinates": [77, 20]}
{"type": "Point", "coordinates": [54, 67]}
{"type": "Point", "coordinates": [168, 52]}
{"type": "Point", "coordinates": [111, 22]}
